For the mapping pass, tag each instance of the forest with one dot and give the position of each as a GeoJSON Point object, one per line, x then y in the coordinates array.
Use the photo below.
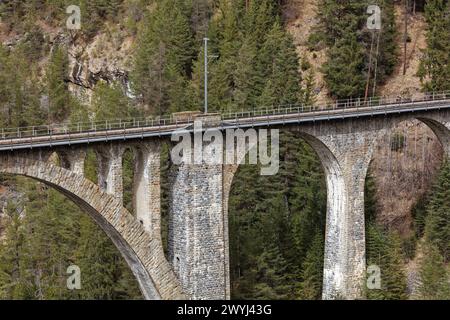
{"type": "Point", "coordinates": [277, 223]}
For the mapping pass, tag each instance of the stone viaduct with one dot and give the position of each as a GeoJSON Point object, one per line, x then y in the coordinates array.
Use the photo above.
{"type": "Point", "coordinates": [197, 266]}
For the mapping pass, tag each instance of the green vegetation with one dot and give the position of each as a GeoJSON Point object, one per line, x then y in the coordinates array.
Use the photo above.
{"type": "Point", "coordinates": [383, 249]}
{"type": "Point", "coordinates": [437, 227]}
{"type": "Point", "coordinates": [353, 49]}
{"type": "Point", "coordinates": [432, 222]}
{"type": "Point", "coordinates": [165, 52]}
{"type": "Point", "coordinates": [276, 222]}
{"type": "Point", "coordinates": [435, 67]}
{"type": "Point", "coordinates": [277, 227]}
{"type": "Point", "coordinates": [45, 234]}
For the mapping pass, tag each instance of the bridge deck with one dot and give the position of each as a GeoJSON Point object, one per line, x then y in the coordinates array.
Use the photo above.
{"type": "Point", "coordinates": [58, 137]}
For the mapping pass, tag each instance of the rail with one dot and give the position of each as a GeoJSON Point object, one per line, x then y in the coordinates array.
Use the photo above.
{"type": "Point", "coordinates": [110, 127]}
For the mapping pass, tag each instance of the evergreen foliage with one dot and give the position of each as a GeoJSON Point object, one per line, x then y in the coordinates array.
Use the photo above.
{"type": "Point", "coordinates": [60, 100]}
{"type": "Point", "coordinates": [383, 249]}
{"type": "Point", "coordinates": [276, 223]}
{"type": "Point", "coordinates": [434, 273]}
{"type": "Point", "coordinates": [434, 69]}
{"type": "Point", "coordinates": [47, 233]}
{"type": "Point", "coordinates": [19, 95]}
{"type": "Point", "coordinates": [434, 276]}
{"type": "Point", "coordinates": [437, 228]}
{"type": "Point", "coordinates": [350, 45]}
{"type": "Point", "coordinates": [164, 57]}
{"type": "Point", "coordinates": [277, 227]}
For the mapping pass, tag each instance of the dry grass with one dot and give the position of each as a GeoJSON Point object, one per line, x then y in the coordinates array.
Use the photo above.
{"type": "Point", "coordinates": [403, 176]}
{"type": "Point", "coordinates": [408, 83]}
{"type": "Point", "coordinates": [300, 17]}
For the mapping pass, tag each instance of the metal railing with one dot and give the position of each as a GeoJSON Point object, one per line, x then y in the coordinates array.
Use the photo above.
{"type": "Point", "coordinates": [346, 105]}
{"type": "Point", "coordinates": [342, 104]}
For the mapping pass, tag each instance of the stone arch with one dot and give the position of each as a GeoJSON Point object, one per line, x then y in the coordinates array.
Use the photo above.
{"type": "Point", "coordinates": [440, 130]}
{"type": "Point", "coordinates": [143, 254]}
{"type": "Point", "coordinates": [406, 163]}
{"type": "Point", "coordinates": [334, 273]}
{"type": "Point", "coordinates": [334, 281]}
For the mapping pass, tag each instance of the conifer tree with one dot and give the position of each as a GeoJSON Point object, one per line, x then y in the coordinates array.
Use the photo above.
{"type": "Point", "coordinates": [279, 58]}
{"type": "Point", "coordinates": [342, 29]}
{"type": "Point", "coordinates": [312, 270]}
{"type": "Point", "coordinates": [344, 69]}
{"type": "Point", "coordinates": [434, 283]}
{"type": "Point", "coordinates": [384, 250]}
{"type": "Point", "coordinates": [100, 265]}
{"type": "Point", "coordinates": [437, 227]}
{"type": "Point", "coordinates": [57, 88]}
{"type": "Point", "coordinates": [434, 69]}
{"type": "Point", "coordinates": [164, 56]}
{"type": "Point", "coordinates": [11, 277]}
{"type": "Point", "coordinates": [110, 103]}
{"type": "Point", "coordinates": [18, 90]}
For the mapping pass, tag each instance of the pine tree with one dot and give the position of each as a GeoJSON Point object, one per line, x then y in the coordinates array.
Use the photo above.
{"type": "Point", "coordinates": [57, 88]}
{"type": "Point", "coordinates": [19, 92]}
{"type": "Point", "coordinates": [387, 57]}
{"type": "Point", "coordinates": [163, 57]}
{"type": "Point", "coordinates": [279, 58]}
{"type": "Point", "coordinates": [288, 210]}
{"type": "Point", "coordinates": [434, 283]}
{"type": "Point", "coordinates": [437, 227]}
{"type": "Point", "coordinates": [343, 71]}
{"type": "Point", "coordinates": [312, 270]}
{"type": "Point", "coordinates": [110, 103]}
{"type": "Point", "coordinates": [434, 69]}
{"type": "Point", "coordinates": [383, 249]}
{"type": "Point", "coordinates": [342, 29]}
{"type": "Point", "coordinates": [10, 254]}
{"type": "Point", "coordinates": [370, 202]}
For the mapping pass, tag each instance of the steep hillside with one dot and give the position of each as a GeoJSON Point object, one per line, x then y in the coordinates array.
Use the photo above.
{"type": "Point", "coordinates": [408, 83]}
{"type": "Point", "coordinates": [107, 56]}
{"type": "Point", "coordinates": [144, 58]}
{"type": "Point", "coordinates": [404, 166]}
{"type": "Point", "coordinates": [394, 171]}
{"type": "Point", "coordinates": [103, 56]}
{"type": "Point", "coordinates": [301, 18]}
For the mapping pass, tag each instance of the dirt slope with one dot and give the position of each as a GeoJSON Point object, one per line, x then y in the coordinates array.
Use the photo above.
{"type": "Point", "coordinates": [400, 83]}
{"type": "Point", "coordinates": [300, 17]}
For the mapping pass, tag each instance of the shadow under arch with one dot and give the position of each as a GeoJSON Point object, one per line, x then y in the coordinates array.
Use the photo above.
{"type": "Point", "coordinates": [441, 132]}
{"type": "Point", "coordinates": [397, 153]}
{"type": "Point", "coordinates": [333, 274]}
{"type": "Point", "coordinates": [143, 254]}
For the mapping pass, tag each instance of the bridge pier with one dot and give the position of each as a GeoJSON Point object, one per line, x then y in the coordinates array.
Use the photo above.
{"type": "Point", "coordinates": [147, 187]}
{"type": "Point", "coordinates": [345, 151]}
{"type": "Point", "coordinates": [197, 239]}
{"type": "Point", "coordinates": [109, 158]}
{"type": "Point", "coordinates": [349, 243]}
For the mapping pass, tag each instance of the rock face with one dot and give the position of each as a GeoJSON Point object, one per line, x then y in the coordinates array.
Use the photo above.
{"type": "Point", "coordinates": [105, 58]}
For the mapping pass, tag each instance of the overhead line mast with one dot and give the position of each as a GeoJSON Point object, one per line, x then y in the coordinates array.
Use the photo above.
{"type": "Point", "coordinates": [206, 72]}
